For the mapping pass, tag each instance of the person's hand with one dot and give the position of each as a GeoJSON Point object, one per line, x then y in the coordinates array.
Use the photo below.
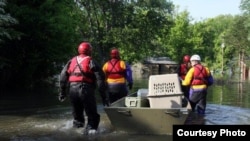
{"type": "Point", "coordinates": [105, 102]}
{"type": "Point", "coordinates": [130, 85]}
{"type": "Point", "coordinates": [61, 97]}
{"type": "Point", "coordinates": [105, 98]}
{"type": "Point", "coordinates": [180, 79]}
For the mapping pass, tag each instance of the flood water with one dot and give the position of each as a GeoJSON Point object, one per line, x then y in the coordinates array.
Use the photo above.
{"type": "Point", "coordinates": [40, 117]}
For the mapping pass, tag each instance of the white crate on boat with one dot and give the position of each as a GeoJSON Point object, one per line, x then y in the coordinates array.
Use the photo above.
{"type": "Point", "coordinates": [165, 84]}
{"type": "Point", "coordinates": [136, 102]}
{"type": "Point", "coordinates": [165, 91]}
{"type": "Point", "coordinates": [166, 101]}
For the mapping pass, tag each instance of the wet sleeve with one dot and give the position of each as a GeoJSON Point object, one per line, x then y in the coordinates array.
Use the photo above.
{"type": "Point", "coordinates": [129, 73]}
{"type": "Point", "coordinates": [99, 75]}
{"type": "Point", "coordinates": [210, 79]}
{"type": "Point", "coordinates": [178, 70]}
{"type": "Point", "coordinates": [64, 76]}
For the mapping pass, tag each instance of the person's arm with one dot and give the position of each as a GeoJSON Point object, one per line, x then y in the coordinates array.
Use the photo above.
{"type": "Point", "coordinates": [210, 79]}
{"type": "Point", "coordinates": [104, 68]}
{"type": "Point", "coordinates": [178, 70]}
{"type": "Point", "coordinates": [129, 76]}
{"type": "Point", "coordinates": [100, 81]}
{"type": "Point", "coordinates": [188, 77]}
{"type": "Point", "coordinates": [63, 82]}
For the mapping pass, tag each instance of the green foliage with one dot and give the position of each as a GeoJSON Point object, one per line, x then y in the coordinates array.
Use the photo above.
{"type": "Point", "coordinates": [213, 30]}
{"type": "Point", "coordinates": [49, 32]}
{"type": "Point", "coordinates": [49, 36]}
{"type": "Point", "coordinates": [6, 21]}
{"type": "Point", "coordinates": [133, 27]}
{"type": "Point", "coordinates": [236, 38]}
{"type": "Point", "coordinates": [178, 43]}
{"type": "Point", "coordinates": [245, 18]}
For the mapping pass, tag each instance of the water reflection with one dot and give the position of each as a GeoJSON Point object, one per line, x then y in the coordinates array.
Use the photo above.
{"type": "Point", "coordinates": [231, 93]}
{"type": "Point", "coordinates": [43, 118]}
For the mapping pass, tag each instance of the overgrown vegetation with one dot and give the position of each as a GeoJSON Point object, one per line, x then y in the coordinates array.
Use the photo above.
{"type": "Point", "coordinates": [37, 37]}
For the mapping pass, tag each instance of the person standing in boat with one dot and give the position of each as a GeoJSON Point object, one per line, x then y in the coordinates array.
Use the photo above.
{"type": "Point", "coordinates": [118, 73]}
{"type": "Point", "coordinates": [198, 78]}
{"type": "Point", "coordinates": [82, 74]}
{"type": "Point", "coordinates": [182, 71]}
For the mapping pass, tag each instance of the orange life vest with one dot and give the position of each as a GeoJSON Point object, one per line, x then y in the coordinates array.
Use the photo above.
{"type": "Point", "coordinates": [200, 75]}
{"type": "Point", "coordinates": [114, 70]}
{"type": "Point", "coordinates": [75, 74]}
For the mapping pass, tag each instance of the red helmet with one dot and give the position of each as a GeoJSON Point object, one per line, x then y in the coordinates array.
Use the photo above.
{"type": "Point", "coordinates": [84, 48]}
{"type": "Point", "coordinates": [186, 58]}
{"type": "Point", "coordinates": [115, 53]}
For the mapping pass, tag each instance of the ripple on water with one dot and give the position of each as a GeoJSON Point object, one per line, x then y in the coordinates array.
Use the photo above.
{"type": "Point", "coordinates": [226, 115]}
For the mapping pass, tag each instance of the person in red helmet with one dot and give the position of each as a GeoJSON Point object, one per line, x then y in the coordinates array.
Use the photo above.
{"type": "Point", "coordinates": [118, 73]}
{"type": "Point", "coordinates": [80, 76]}
{"type": "Point", "coordinates": [182, 71]}
{"type": "Point", "coordinates": [184, 67]}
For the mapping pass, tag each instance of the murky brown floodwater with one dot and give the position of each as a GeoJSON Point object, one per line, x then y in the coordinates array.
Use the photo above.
{"type": "Point", "coordinates": [43, 118]}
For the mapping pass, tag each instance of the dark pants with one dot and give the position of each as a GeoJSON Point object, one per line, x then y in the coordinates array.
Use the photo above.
{"type": "Point", "coordinates": [82, 97]}
{"type": "Point", "coordinates": [198, 99]}
{"type": "Point", "coordinates": [185, 90]}
{"type": "Point", "coordinates": [117, 91]}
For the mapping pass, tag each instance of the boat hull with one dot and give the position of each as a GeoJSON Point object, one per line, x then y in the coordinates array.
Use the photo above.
{"type": "Point", "coordinates": [145, 120]}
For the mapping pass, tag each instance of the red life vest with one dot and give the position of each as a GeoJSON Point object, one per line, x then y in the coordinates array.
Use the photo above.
{"type": "Point", "coordinates": [114, 70]}
{"type": "Point", "coordinates": [183, 71]}
{"type": "Point", "coordinates": [200, 75]}
{"type": "Point", "coordinates": [75, 74]}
